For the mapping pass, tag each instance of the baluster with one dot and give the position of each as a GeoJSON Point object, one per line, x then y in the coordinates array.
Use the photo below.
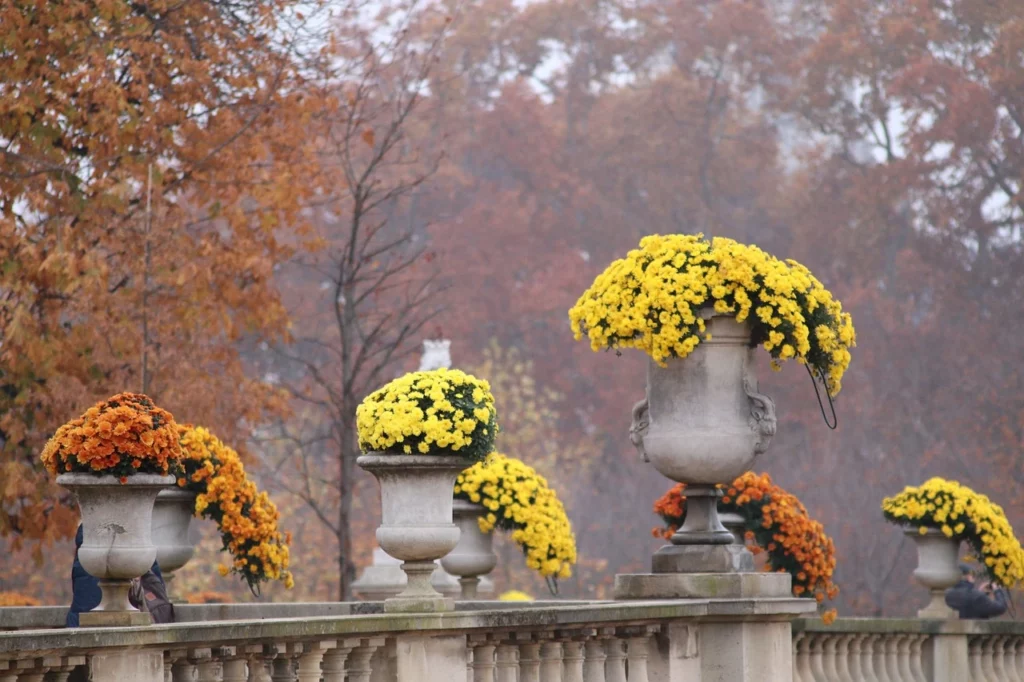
{"type": "Point", "coordinates": [169, 658]}
{"type": "Point", "coordinates": [284, 663]}
{"type": "Point", "coordinates": [816, 648]}
{"type": "Point", "coordinates": [877, 644]}
{"type": "Point", "coordinates": [1010, 659]}
{"type": "Point", "coordinates": [857, 673]}
{"type": "Point", "coordinates": [615, 660]}
{"type": "Point", "coordinates": [31, 670]}
{"type": "Point", "coordinates": [484, 663]}
{"type": "Point", "coordinates": [904, 648]}
{"type": "Point", "coordinates": [469, 661]}
{"type": "Point", "coordinates": [987, 657]}
{"type": "Point", "coordinates": [529, 660]}
{"type": "Point", "coordinates": [974, 659]}
{"type": "Point", "coordinates": [593, 664]}
{"type": "Point", "coordinates": [572, 658]}
{"type": "Point", "coordinates": [7, 672]}
{"type": "Point", "coordinates": [892, 663]}
{"type": "Point", "coordinates": [61, 667]}
{"type": "Point", "coordinates": [551, 662]}
{"type": "Point", "coordinates": [636, 655]}
{"type": "Point", "coordinates": [829, 652]}
{"type": "Point", "coordinates": [1018, 659]}
{"type": "Point", "coordinates": [843, 644]}
{"type": "Point", "coordinates": [183, 669]}
{"type": "Point", "coordinates": [917, 658]}
{"type": "Point", "coordinates": [998, 659]}
{"type": "Point", "coordinates": [800, 658]}
{"type": "Point", "coordinates": [312, 656]}
{"type": "Point", "coordinates": [235, 669]}
{"type": "Point", "coordinates": [261, 657]}
{"type": "Point", "coordinates": [507, 662]}
{"type": "Point", "coordinates": [212, 669]}
{"type": "Point", "coordinates": [359, 666]}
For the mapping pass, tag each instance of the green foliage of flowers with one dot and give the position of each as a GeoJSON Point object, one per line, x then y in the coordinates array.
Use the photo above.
{"type": "Point", "coordinates": [440, 412]}
{"type": "Point", "coordinates": [656, 297]}
{"type": "Point", "coordinates": [962, 514]}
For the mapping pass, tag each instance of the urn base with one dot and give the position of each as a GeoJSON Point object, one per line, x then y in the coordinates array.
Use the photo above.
{"type": "Point", "coordinates": [419, 596]}
{"type": "Point", "coordinates": [702, 586]}
{"type": "Point", "coordinates": [937, 607]}
{"type": "Point", "coordinates": [695, 559]}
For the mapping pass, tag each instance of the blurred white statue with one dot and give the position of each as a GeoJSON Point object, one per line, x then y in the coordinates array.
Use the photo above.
{"type": "Point", "coordinates": [436, 354]}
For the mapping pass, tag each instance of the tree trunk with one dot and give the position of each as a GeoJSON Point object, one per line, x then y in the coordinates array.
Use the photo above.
{"type": "Point", "coordinates": [346, 567]}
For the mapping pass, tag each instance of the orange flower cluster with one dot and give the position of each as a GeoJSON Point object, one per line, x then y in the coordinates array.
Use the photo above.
{"type": "Point", "coordinates": [777, 523]}
{"type": "Point", "coordinates": [247, 518]}
{"type": "Point", "coordinates": [122, 435]}
{"type": "Point", "coordinates": [209, 597]}
{"type": "Point", "coordinates": [17, 599]}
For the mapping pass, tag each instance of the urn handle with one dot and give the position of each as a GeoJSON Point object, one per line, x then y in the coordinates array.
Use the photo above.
{"type": "Point", "coordinates": [638, 429]}
{"type": "Point", "coordinates": [762, 414]}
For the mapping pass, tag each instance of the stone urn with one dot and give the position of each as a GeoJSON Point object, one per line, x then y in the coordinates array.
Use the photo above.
{"type": "Point", "coordinates": [117, 534]}
{"type": "Point", "coordinates": [938, 569]}
{"type": "Point", "coordinates": [172, 530]}
{"type": "Point", "coordinates": [416, 521]}
{"type": "Point", "coordinates": [474, 555]}
{"type": "Point", "coordinates": [703, 422]}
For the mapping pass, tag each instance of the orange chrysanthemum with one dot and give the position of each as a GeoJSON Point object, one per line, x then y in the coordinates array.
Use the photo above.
{"type": "Point", "coordinates": [123, 435]}
{"type": "Point", "coordinates": [247, 518]}
{"type": "Point", "coordinates": [777, 523]}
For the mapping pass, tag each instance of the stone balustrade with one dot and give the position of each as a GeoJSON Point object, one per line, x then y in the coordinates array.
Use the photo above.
{"type": "Point", "coordinates": [634, 641]}
{"type": "Point", "coordinates": [908, 650]}
{"type": "Point", "coordinates": [556, 641]}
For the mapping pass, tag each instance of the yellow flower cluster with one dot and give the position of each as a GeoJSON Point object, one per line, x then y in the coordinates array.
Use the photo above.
{"type": "Point", "coordinates": [657, 298]}
{"type": "Point", "coordinates": [515, 595]}
{"type": "Point", "coordinates": [962, 514]}
{"type": "Point", "coordinates": [247, 518]}
{"type": "Point", "coordinates": [519, 500]}
{"type": "Point", "coordinates": [440, 412]}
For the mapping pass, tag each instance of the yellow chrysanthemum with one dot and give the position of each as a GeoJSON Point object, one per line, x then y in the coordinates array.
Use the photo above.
{"type": "Point", "coordinates": [440, 412]}
{"type": "Point", "coordinates": [654, 300]}
{"type": "Point", "coordinates": [962, 514]}
{"type": "Point", "coordinates": [520, 501]}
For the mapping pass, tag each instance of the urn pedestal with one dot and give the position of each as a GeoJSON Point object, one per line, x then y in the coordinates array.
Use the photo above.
{"type": "Point", "coordinates": [117, 541]}
{"type": "Point", "coordinates": [703, 422]}
{"type": "Point", "coordinates": [173, 536]}
{"type": "Point", "coordinates": [416, 521]}
{"type": "Point", "coordinates": [937, 569]}
{"type": "Point", "coordinates": [474, 556]}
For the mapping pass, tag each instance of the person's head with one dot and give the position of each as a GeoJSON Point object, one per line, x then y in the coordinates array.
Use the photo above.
{"type": "Point", "coordinates": [966, 573]}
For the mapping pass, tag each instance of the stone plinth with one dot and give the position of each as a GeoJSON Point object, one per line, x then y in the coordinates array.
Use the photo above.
{"type": "Point", "coordinates": [702, 586]}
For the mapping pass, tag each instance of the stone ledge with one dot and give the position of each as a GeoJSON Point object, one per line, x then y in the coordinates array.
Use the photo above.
{"type": "Point", "coordinates": [702, 586]}
{"type": "Point", "coordinates": [185, 634]}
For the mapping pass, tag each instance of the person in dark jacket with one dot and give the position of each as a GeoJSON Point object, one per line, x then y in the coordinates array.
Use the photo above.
{"type": "Point", "coordinates": [85, 589]}
{"type": "Point", "coordinates": [976, 601]}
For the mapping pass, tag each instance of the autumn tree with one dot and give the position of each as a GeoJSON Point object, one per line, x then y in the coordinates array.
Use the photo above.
{"type": "Point", "coordinates": [362, 299]}
{"type": "Point", "coordinates": [191, 109]}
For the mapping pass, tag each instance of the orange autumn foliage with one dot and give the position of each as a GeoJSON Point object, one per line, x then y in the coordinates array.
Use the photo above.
{"type": "Point", "coordinates": [122, 435]}
{"type": "Point", "coordinates": [17, 599]}
{"type": "Point", "coordinates": [776, 523]}
{"type": "Point", "coordinates": [107, 108]}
